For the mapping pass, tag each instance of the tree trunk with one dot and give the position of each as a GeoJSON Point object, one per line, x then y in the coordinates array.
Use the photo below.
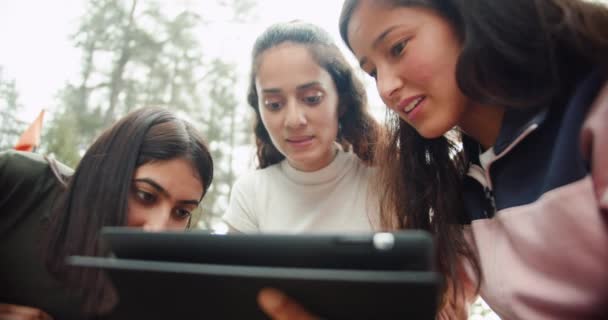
{"type": "Point", "coordinates": [119, 69]}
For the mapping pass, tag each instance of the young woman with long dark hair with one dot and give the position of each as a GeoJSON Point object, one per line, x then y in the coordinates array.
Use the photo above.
{"type": "Point", "coordinates": [518, 209]}
{"type": "Point", "coordinates": [315, 139]}
{"type": "Point", "coordinates": [149, 170]}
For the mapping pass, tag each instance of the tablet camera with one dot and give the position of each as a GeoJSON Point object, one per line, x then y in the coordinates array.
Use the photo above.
{"type": "Point", "coordinates": [384, 241]}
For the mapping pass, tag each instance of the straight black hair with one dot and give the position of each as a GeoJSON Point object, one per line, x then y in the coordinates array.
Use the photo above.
{"type": "Point", "coordinates": [97, 193]}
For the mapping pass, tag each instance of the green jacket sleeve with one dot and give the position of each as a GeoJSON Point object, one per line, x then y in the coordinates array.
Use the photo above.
{"type": "Point", "coordinates": [23, 177]}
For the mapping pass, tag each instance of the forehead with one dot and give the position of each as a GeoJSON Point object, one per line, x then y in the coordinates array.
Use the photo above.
{"type": "Point", "coordinates": [178, 173]}
{"type": "Point", "coordinates": [179, 164]}
{"type": "Point", "coordinates": [289, 65]}
{"type": "Point", "coordinates": [371, 20]}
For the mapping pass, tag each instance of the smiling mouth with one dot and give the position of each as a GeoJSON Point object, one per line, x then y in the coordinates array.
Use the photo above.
{"type": "Point", "coordinates": [413, 104]}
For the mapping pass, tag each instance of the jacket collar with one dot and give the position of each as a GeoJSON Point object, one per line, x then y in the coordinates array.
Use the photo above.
{"type": "Point", "coordinates": [517, 122]}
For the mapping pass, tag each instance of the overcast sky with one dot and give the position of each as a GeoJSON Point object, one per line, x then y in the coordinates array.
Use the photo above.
{"type": "Point", "coordinates": [37, 53]}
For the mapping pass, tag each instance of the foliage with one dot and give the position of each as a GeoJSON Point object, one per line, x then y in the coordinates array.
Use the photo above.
{"type": "Point", "coordinates": [135, 54]}
{"type": "Point", "coordinates": [10, 127]}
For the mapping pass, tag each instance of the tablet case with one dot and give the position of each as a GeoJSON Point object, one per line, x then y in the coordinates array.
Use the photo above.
{"type": "Point", "coordinates": [171, 290]}
{"type": "Point", "coordinates": [198, 275]}
{"type": "Point", "coordinates": [405, 250]}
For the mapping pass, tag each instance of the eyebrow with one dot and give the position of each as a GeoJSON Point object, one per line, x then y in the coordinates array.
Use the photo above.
{"type": "Point", "coordinates": [377, 42]}
{"type": "Point", "coordinates": [162, 190]}
{"type": "Point", "coordinates": [308, 85]}
{"type": "Point", "coordinates": [299, 87]}
{"type": "Point", "coordinates": [272, 90]}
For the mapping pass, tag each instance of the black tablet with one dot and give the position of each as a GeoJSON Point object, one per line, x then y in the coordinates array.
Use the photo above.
{"type": "Point", "coordinates": [175, 275]}
{"type": "Point", "coordinates": [176, 290]}
{"type": "Point", "coordinates": [404, 250]}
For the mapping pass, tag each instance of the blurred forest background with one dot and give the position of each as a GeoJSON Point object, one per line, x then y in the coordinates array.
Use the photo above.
{"type": "Point", "coordinates": [190, 56]}
{"type": "Point", "coordinates": [135, 54]}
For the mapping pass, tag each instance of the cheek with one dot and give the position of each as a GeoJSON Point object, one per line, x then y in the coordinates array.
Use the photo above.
{"type": "Point", "coordinates": [420, 69]}
{"type": "Point", "coordinates": [433, 67]}
{"type": "Point", "coordinates": [447, 90]}
{"type": "Point", "coordinates": [135, 214]}
{"type": "Point", "coordinates": [461, 104]}
{"type": "Point", "coordinates": [271, 122]}
{"type": "Point", "coordinates": [426, 71]}
{"type": "Point", "coordinates": [328, 112]}
{"type": "Point", "coordinates": [439, 82]}
{"type": "Point", "coordinates": [326, 121]}
{"type": "Point", "coordinates": [178, 225]}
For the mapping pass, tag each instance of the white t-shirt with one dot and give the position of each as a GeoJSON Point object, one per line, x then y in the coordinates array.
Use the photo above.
{"type": "Point", "coordinates": [282, 199]}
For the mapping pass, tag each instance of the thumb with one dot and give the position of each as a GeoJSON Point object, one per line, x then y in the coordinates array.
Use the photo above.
{"type": "Point", "coordinates": [280, 307]}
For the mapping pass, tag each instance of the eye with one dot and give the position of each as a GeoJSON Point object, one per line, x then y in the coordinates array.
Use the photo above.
{"type": "Point", "coordinates": [313, 99]}
{"type": "Point", "coordinates": [273, 104]}
{"type": "Point", "coordinates": [145, 197]}
{"type": "Point", "coordinates": [398, 48]}
{"type": "Point", "coordinates": [182, 214]}
{"type": "Point", "coordinates": [373, 74]}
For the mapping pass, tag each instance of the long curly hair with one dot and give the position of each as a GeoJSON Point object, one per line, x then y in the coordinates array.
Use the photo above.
{"type": "Point", "coordinates": [359, 129]}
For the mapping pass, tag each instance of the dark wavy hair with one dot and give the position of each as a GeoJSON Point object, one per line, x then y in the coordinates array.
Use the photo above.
{"type": "Point", "coordinates": [97, 193]}
{"type": "Point", "coordinates": [516, 53]}
{"type": "Point", "coordinates": [358, 128]}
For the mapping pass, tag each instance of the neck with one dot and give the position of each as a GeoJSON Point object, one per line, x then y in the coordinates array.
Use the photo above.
{"type": "Point", "coordinates": [482, 123]}
{"type": "Point", "coordinates": [316, 165]}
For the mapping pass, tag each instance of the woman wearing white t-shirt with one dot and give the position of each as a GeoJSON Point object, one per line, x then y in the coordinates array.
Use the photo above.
{"type": "Point", "coordinates": [315, 139]}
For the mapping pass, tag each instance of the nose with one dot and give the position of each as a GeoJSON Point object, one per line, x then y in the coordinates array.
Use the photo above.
{"type": "Point", "coordinates": [296, 115]}
{"type": "Point", "coordinates": [388, 82]}
{"type": "Point", "coordinates": [157, 221]}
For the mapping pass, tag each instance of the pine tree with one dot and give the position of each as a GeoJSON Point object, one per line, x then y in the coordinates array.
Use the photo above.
{"type": "Point", "coordinates": [10, 127]}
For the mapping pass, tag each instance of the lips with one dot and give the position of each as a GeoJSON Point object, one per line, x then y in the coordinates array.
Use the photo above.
{"type": "Point", "coordinates": [299, 139]}
{"type": "Point", "coordinates": [300, 142]}
{"type": "Point", "coordinates": [409, 104]}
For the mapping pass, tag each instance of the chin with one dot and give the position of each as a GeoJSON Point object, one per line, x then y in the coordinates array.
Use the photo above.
{"type": "Point", "coordinates": [433, 133]}
{"type": "Point", "coordinates": [298, 158]}
{"type": "Point", "coordinates": [305, 161]}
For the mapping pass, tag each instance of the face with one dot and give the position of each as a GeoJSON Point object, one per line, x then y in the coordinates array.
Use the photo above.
{"type": "Point", "coordinates": [412, 53]}
{"type": "Point", "coordinates": [163, 195]}
{"type": "Point", "coordinates": [298, 104]}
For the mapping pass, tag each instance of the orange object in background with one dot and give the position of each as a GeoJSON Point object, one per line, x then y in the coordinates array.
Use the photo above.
{"type": "Point", "coordinates": [30, 138]}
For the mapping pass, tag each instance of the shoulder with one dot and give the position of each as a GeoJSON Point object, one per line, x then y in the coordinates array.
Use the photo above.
{"type": "Point", "coordinates": [255, 179]}
{"type": "Point", "coordinates": [260, 175]}
{"type": "Point", "coordinates": [24, 167]}
{"type": "Point", "coordinates": [23, 164]}
{"type": "Point", "coordinates": [359, 166]}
